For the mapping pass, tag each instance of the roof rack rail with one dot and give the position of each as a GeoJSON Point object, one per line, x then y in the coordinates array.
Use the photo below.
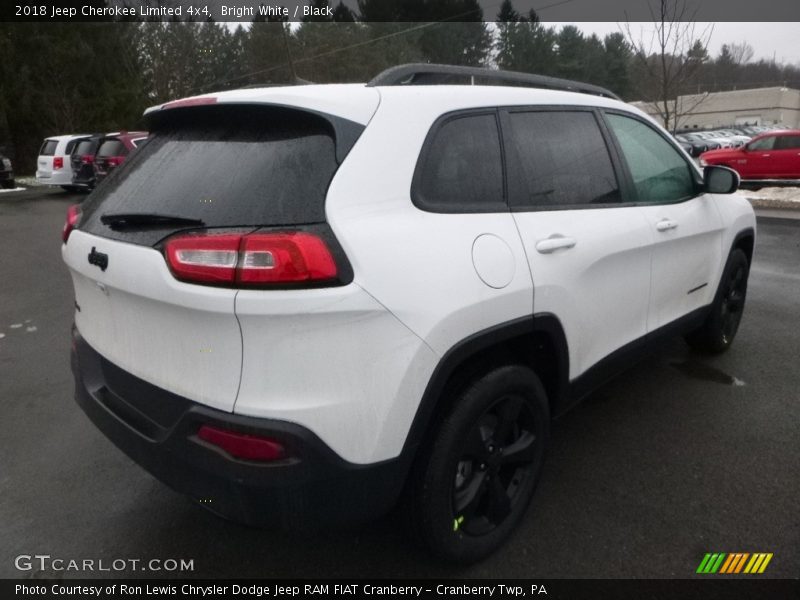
{"type": "Point", "coordinates": [433, 74]}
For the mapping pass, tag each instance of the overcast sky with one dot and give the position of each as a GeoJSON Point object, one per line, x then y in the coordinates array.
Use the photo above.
{"type": "Point", "coordinates": [781, 40]}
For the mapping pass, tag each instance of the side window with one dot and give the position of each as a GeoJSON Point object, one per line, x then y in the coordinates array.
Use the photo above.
{"type": "Point", "coordinates": [767, 143]}
{"type": "Point", "coordinates": [787, 142]}
{"type": "Point", "coordinates": [563, 160]}
{"type": "Point", "coordinates": [660, 174]}
{"type": "Point", "coordinates": [462, 168]}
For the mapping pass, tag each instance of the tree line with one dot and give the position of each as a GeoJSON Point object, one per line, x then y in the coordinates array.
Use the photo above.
{"type": "Point", "coordinates": [95, 77]}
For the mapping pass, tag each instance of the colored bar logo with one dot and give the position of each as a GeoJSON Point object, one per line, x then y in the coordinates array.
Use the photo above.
{"type": "Point", "coordinates": [735, 562]}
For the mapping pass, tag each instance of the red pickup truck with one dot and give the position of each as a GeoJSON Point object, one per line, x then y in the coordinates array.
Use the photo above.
{"type": "Point", "coordinates": [770, 156]}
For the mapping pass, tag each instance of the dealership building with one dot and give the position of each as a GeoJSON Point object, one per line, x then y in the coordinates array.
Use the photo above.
{"type": "Point", "coordinates": [761, 106]}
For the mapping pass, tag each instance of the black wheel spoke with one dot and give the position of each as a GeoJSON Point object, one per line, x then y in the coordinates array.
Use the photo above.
{"type": "Point", "coordinates": [523, 450]}
{"type": "Point", "coordinates": [499, 502]}
{"type": "Point", "coordinates": [476, 445]}
{"type": "Point", "coordinates": [468, 498]}
{"type": "Point", "coordinates": [507, 417]}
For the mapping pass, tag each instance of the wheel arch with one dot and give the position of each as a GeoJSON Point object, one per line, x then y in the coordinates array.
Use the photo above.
{"type": "Point", "coordinates": [536, 341]}
{"type": "Point", "coordinates": [745, 240]}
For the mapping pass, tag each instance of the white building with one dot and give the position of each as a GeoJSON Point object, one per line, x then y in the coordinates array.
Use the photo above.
{"type": "Point", "coordinates": [761, 106]}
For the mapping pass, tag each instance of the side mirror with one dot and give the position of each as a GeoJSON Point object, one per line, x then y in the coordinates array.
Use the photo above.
{"type": "Point", "coordinates": [720, 180]}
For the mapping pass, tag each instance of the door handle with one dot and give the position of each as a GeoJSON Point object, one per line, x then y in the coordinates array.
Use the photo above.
{"type": "Point", "coordinates": [555, 242]}
{"type": "Point", "coordinates": [666, 225]}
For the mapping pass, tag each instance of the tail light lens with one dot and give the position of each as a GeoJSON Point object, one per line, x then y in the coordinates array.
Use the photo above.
{"type": "Point", "coordinates": [73, 218]}
{"type": "Point", "coordinates": [242, 445]}
{"type": "Point", "coordinates": [251, 260]}
{"type": "Point", "coordinates": [114, 161]}
{"type": "Point", "coordinates": [87, 159]}
{"type": "Point", "coordinates": [58, 162]}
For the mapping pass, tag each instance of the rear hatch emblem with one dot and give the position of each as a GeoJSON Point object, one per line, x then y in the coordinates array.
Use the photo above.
{"type": "Point", "coordinates": [98, 259]}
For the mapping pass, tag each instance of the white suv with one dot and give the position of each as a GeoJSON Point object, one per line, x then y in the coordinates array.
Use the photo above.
{"type": "Point", "coordinates": [293, 304]}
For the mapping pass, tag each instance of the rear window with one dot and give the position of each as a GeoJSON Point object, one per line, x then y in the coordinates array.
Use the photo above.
{"type": "Point", "coordinates": [250, 166]}
{"type": "Point", "coordinates": [85, 147]}
{"type": "Point", "coordinates": [48, 148]}
{"type": "Point", "coordinates": [112, 147]}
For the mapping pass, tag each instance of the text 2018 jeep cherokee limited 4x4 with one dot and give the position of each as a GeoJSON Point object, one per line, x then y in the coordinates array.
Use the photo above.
{"type": "Point", "coordinates": [293, 304]}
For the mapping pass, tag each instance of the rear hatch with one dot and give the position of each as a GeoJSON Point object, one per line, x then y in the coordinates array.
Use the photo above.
{"type": "Point", "coordinates": [208, 171]}
{"type": "Point", "coordinates": [110, 154]}
{"type": "Point", "coordinates": [82, 159]}
{"type": "Point", "coordinates": [44, 163]}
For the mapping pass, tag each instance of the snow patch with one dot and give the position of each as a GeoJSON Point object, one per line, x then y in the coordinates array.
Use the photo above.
{"type": "Point", "coordinates": [16, 189]}
{"type": "Point", "coordinates": [779, 194]}
{"type": "Point", "coordinates": [16, 325]}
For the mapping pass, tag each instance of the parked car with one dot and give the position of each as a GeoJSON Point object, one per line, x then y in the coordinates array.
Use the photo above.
{"type": "Point", "coordinates": [53, 164]}
{"type": "Point", "coordinates": [769, 156]}
{"type": "Point", "coordinates": [113, 150]}
{"type": "Point", "coordinates": [737, 139]}
{"type": "Point", "coordinates": [296, 303]}
{"type": "Point", "coordinates": [699, 145]}
{"type": "Point", "coordinates": [6, 173]}
{"type": "Point", "coordinates": [82, 160]}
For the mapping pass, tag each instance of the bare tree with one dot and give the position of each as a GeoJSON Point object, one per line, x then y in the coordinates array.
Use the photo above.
{"type": "Point", "coordinates": [664, 54]}
{"type": "Point", "coordinates": [741, 53]}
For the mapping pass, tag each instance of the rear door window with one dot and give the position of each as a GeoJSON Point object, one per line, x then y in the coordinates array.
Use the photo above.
{"type": "Point", "coordinates": [461, 168]}
{"type": "Point", "coordinates": [48, 148]}
{"type": "Point", "coordinates": [245, 168]}
{"type": "Point", "coordinates": [563, 160]}
{"type": "Point", "coordinates": [788, 142]}
{"type": "Point", "coordinates": [70, 146]}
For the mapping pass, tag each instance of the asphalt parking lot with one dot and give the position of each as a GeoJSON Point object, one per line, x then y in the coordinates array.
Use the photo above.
{"type": "Point", "coordinates": [680, 456]}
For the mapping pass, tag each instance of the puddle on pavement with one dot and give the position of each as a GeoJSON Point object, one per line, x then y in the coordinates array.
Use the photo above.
{"type": "Point", "coordinates": [697, 370]}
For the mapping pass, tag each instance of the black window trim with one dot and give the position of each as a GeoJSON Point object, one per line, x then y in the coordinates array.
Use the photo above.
{"type": "Point", "coordinates": [621, 174]}
{"type": "Point", "coordinates": [436, 207]}
{"type": "Point", "coordinates": [630, 191]}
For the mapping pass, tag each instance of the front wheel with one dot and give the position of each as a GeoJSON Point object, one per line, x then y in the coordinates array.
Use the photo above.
{"type": "Point", "coordinates": [477, 478]}
{"type": "Point", "coordinates": [717, 332]}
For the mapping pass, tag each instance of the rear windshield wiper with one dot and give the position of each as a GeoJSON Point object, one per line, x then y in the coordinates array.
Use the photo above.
{"type": "Point", "coordinates": [129, 220]}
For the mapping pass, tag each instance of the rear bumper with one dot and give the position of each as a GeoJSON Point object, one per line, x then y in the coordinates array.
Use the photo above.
{"type": "Point", "coordinates": [60, 177]}
{"type": "Point", "coordinates": [157, 429]}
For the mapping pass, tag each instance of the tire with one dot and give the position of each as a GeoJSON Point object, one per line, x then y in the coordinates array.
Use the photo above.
{"type": "Point", "coordinates": [9, 184]}
{"type": "Point", "coordinates": [468, 490]}
{"type": "Point", "coordinates": [718, 331]}
{"type": "Point", "coordinates": [71, 188]}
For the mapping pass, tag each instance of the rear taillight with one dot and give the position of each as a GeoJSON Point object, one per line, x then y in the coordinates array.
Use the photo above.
{"type": "Point", "coordinates": [58, 162]}
{"type": "Point", "coordinates": [87, 159]}
{"type": "Point", "coordinates": [242, 445]}
{"type": "Point", "coordinates": [114, 161]}
{"type": "Point", "coordinates": [251, 260]}
{"type": "Point", "coordinates": [73, 218]}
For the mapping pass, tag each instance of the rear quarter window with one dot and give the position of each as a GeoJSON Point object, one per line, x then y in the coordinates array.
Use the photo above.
{"type": "Point", "coordinates": [460, 168]}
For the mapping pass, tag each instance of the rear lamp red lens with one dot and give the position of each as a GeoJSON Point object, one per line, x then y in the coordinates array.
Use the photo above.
{"type": "Point", "coordinates": [73, 218]}
{"type": "Point", "coordinates": [58, 162]}
{"type": "Point", "coordinates": [242, 445]}
{"type": "Point", "coordinates": [251, 260]}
